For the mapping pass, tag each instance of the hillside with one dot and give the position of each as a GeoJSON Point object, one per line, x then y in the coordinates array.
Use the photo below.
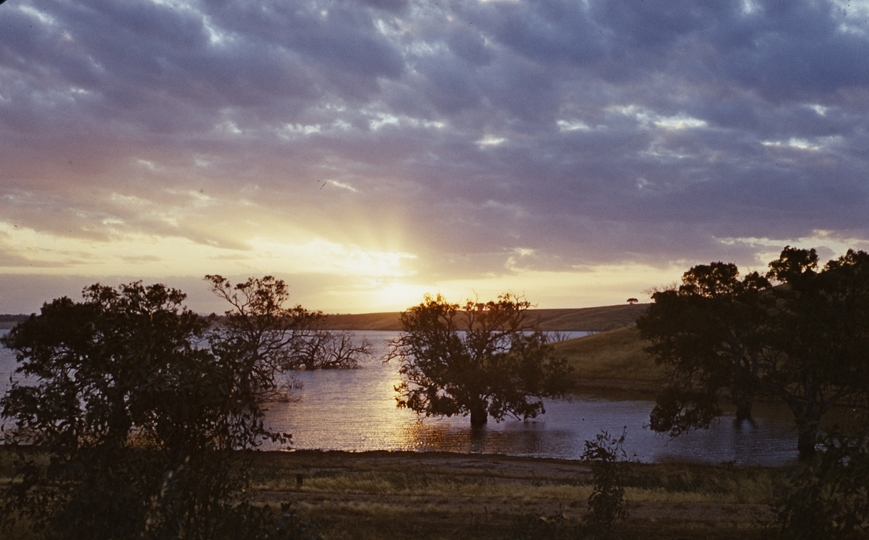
{"type": "Point", "coordinates": [595, 319]}
{"type": "Point", "coordinates": [8, 321]}
{"type": "Point", "coordinates": [612, 360]}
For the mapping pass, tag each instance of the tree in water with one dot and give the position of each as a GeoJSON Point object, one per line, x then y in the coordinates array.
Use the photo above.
{"type": "Point", "coordinates": [818, 337]}
{"type": "Point", "coordinates": [798, 333]}
{"type": "Point", "coordinates": [275, 337]}
{"type": "Point", "coordinates": [708, 333]}
{"type": "Point", "coordinates": [480, 359]}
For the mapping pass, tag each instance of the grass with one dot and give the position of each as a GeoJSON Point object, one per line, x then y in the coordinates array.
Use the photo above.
{"type": "Point", "coordinates": [479, 497]}
{"type": "Point", "coordinates": [660, 484]}
{"type": "Point", "coordinates": [614, 359]}
{"type": "Point", "coordinates": [407, 495]}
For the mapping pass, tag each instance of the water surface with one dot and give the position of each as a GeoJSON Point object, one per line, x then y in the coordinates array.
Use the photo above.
{"type": "Point", "coordinates": [354, 410]}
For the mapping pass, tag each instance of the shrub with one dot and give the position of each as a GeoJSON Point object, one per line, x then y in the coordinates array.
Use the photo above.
{"type": "Point", "coordinates": [828, 497]}
{"type": "Point", "coordinates": [606, 504]}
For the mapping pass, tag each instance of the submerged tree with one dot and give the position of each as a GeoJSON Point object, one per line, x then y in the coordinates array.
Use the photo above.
{"type": "Point", "coordinates": [708, 333]}
{"type": "Point", "coordinates": [799, 333]}
{"type": "Point", "coordinates": [480, 359]}
{"type": "Point", "coordinates": [320, 348]}
{"type": "Point", "coordinates": [140, 412]}
{"type": "Point", "coordinates": [275, 338]}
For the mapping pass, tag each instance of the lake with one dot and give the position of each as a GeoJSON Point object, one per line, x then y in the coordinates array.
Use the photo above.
{"type": "Point", "coordinates": [354, 410]}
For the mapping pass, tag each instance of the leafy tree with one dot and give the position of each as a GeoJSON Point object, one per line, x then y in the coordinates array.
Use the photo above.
{"type": "Point", "coordinates": [799, 333]}
{"type": "Point", "coordinates": [708, 332]}
{"type": "Point", "coordinates": [480, 359]}
{"type": "Point", "coordinates": [818, 337]}
{"type": "Point", "coordinates": [139, 408]}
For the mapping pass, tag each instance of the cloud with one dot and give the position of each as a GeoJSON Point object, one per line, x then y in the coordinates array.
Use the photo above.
{"type": "Point", "coordinates": [588, 133]}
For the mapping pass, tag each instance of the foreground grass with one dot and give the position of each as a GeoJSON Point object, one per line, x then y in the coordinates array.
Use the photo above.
{"type": "Point", "coordinates": [424, 496]}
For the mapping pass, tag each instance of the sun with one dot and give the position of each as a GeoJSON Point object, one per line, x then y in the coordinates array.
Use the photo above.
{"type": "Point", "coordinates": [396, 296]}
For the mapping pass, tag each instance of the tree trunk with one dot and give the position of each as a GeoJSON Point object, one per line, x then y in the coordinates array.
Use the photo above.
{"type": "Point", "coordinates": [479, 415]}
{"type": "Point", "coordinates": [744, 401]}
{"type": "Point", "coordinates": [807, 437]}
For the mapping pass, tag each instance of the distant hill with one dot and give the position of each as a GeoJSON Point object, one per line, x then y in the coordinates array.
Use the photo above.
{"type": "Point", "coordinates": [8, 321]}
{"type": "Point", "coordinates": [595, 319]}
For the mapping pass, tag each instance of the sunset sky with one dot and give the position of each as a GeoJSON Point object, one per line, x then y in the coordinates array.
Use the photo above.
{"type": "Point", "coordinates": [369, 151]}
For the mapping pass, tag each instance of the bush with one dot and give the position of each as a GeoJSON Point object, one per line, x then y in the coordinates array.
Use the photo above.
{"type": "Point", "coordinates": [606, 504]}
{"type": "Point", "coordinates": [828, 497]}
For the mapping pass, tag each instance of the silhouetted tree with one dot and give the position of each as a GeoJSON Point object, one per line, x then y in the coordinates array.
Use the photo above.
{"type": "Point", "coordinates": [259, 329]}
{"type": "Point", "coordinates": [130, 421]}
{"type": "Point", "coordinates": [483, 359]}
{"type": "Point", "coordinates": [632, 301]}
{"type": "Point", "coordinates": [799, 334]}
{"type": "Point", "coordinates": [275, 338]}
{"type": "Point", "coordinates": [818, 337]}
{"type": "Point", "coordinates": [319, 348]}
{"type": "Point", "coordinates": [708, 333]}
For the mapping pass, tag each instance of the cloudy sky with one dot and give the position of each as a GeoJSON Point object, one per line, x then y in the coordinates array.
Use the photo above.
{"type": "Point", "coordinates": [369, 151]}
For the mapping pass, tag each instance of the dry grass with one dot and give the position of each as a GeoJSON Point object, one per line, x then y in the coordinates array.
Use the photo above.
{"type": "Point", "coordinates": [406, 495]}
{"type": "Point", "coordinates": [410, 484]}
{"type": "Point", "coordinates": [477, 497]}
{"type": "Point", "coordinates": [612, 359]}
{"type": "Point", "coordinates": [648, 483]}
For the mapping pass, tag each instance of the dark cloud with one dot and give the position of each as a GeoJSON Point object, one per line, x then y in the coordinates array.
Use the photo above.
{"type": "Point", "coordinates": [575, 132]}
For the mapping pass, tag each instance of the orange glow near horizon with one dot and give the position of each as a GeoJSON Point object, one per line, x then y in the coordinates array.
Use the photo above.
{"type": "Point", "coordinates": [327, 275]}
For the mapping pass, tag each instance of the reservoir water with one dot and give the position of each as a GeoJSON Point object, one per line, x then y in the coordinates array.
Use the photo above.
{"type": "Point", "coordinates": [354, 410]}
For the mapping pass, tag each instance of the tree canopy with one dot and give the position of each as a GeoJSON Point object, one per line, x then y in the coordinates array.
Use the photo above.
{"type": "Point", "coordinates": [799, 333]}
{"type": "Point", "coordinates": [479, 359]}
{"type": "Point", "coordinates": [139, 407]}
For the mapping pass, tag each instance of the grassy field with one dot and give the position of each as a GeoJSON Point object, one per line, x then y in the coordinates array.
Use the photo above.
{"type": "Point", "coordinates": [612, 360]}
{"type": "Point", "coordinates": [453, 496]}
{"type": "Point", "coordinates": [422, 496]}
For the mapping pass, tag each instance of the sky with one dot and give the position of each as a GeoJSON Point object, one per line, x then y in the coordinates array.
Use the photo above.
{"type": "Point", "coordinates": [370, 151]}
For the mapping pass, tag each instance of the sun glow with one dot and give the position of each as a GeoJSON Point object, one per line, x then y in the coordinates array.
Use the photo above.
{"type": "Point", "coordinates": [149, 255]}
